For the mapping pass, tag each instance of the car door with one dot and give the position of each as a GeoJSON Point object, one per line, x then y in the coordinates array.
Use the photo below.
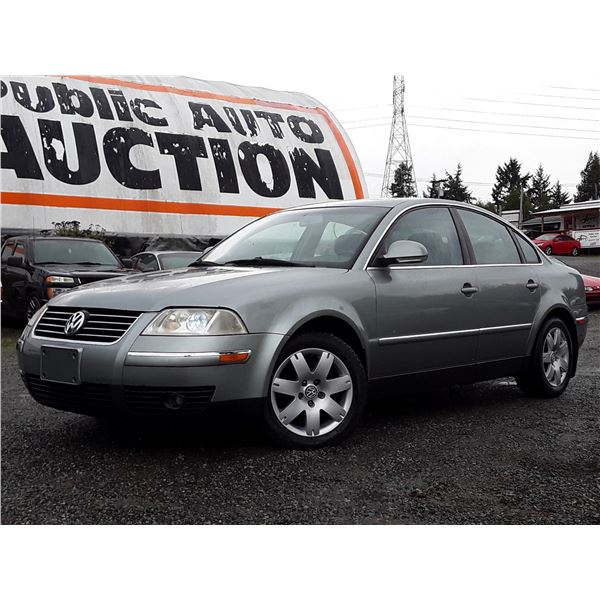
{"type": "Point", "coordinates": [8, 298]}
{"type": "Point", "coordinates": [508, 293]}
{"type": "Point", "coordinates": [426, 313]}
{"type": "Point", "coordinates": [17, 280]}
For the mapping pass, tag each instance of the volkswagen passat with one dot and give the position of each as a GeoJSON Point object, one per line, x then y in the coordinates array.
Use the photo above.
{"type": "Point", "coordinates": [306, 309]}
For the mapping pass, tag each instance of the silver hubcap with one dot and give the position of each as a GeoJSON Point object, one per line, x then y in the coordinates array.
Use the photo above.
{"type": "Point", "coordinates": [311, 392]}
{"type": "Point", "coordinates": [556, 357]}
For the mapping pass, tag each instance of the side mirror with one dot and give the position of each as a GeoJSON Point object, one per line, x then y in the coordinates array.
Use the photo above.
{"type": "Point", "coordinates": [15, 261]}
{"type": "Point", "coordinates": [404, 252]}
{"type": "Point", "coordinates": [127, 263]}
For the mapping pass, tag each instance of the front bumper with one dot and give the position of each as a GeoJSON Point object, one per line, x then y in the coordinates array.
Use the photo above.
{"type": "Point", "coordinates": [153, 374]}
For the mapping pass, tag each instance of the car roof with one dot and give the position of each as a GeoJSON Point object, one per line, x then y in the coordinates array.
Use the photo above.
{"type": "Point", "coordinates": [51, 237]}
{"type": "Point", "coordinates": [383, 203]}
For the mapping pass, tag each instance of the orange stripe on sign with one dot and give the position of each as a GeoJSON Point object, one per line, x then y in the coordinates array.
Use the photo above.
{"type": "Point", "coordinates": [133, 205]}
{"type": "Point", "coordinates": [169, 89]}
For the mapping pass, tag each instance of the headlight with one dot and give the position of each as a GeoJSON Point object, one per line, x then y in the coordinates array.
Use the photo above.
{"type": "Point", "coordinates": [58, 279]}
{"type": "Point", "coordinates": [589, 289]}
{"type": "Point", "coordinates": [196, 321]}
{"type": "Point", "coordinates": [37, 315]}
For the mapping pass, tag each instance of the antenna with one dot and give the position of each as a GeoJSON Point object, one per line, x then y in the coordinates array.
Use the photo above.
{"type": "Point", "coordinates": [399, 145]}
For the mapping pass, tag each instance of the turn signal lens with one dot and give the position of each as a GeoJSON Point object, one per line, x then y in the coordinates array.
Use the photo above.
{"type": "Point", "coordinates": [234, 357]}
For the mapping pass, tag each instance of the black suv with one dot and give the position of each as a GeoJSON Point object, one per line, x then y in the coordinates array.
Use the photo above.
{"type": "Point", "coordinates": [37, 268]}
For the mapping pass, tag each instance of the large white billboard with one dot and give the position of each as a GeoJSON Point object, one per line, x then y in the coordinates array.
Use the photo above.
{"type": "Point", "coordinates": [164, 155]}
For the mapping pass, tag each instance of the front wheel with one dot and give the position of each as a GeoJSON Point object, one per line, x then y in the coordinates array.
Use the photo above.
{"type": "Point", "coordinates": [575, 251]}
{"type": "Point", "coordinates": [549, 370]}
{"type": "Point", "coordinates": [33, 305]}
{"type": "Point", "coordinates": [548, 250]}
{"type": "Point", "coordinates": [317, 393]}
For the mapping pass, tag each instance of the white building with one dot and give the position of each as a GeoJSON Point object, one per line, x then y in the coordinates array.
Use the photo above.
{"type": "Point", "coordinates": [580, 220]}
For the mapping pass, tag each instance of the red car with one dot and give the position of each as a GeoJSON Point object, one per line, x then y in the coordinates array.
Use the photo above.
{"type": "Point", "coordinates": [592, 288]}
{"type": "Point", "coordinates": [558, 243]}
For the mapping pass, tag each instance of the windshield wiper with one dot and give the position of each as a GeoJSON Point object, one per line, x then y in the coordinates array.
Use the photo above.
{"type": "Point", "coordinates": [267, 262]}
{"type": "Point", "coordinates": [204, 263]}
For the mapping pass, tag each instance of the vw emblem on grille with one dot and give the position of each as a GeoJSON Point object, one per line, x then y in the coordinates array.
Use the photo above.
{"type": "Point", "coordinates": [76, 322]}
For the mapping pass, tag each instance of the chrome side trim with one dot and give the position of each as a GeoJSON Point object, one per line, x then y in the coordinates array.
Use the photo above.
{"type": "Point", "coordinates": [516, 327]}
{"type": "Point", "coordinates": [426, 336]}
{"type": "Point", "coordinates": [179, 359]}
{"type": "Point", "coordinates": [450, 334]}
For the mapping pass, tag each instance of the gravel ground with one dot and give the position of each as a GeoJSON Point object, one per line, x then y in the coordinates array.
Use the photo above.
{"type": "Point", "coordinates": [476, 454]}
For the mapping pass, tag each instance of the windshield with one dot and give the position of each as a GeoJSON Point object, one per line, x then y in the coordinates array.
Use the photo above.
{"type": "Point", "coordinates": [180, 259]}
{"type": "Point", "coordinates": [73, 252]}
{"type": "Point", "coordinates": [547, 237]}
{"type": "Point", "coordinates": [321, 237]}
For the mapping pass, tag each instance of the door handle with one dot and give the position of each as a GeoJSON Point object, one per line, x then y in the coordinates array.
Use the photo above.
{"type": "Point", "coordinates": [469, 290]}
{"type": "Point", "coordinates": [532, 285]}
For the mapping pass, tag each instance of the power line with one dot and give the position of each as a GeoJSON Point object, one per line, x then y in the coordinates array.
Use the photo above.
{"type": "Point", "coordinates": [564, 97]}
{"type": "Point", "coordinates": [487, 123]}
{"type": "Point", "coordinates": [563, 87]}
{"type": "Point", "coordinates": [533, 103]}
{"type": "Point", "coordinates": [425, 180]}
{"type": "Point", "coordinates": [504, 114]}
{"type": "Point", "coordinates": [524, 133]}
{"type": "Point", "coordinates": [484, 112]}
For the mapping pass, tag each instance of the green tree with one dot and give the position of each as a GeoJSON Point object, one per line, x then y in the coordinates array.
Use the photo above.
{"type": "Point", "coordinates": [488, 206]}
{"type": "Point", "coordinates": [589, 188]}
{"type": "Point", "coordinates": [435, 189]}
{"type": "Point", "coordinates": [509, 182]}
{"type": "Point", "coordinates": [539, 191]}
{"type": "Point", "coordinates": [455, 189]}
{"type": "Point", "coordinates": [558, 196]}
{"type": "Point", "coordinates": [403, 185]}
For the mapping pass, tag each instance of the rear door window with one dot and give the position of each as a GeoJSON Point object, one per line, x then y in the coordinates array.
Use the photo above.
{"type": "Point", "coordinates": [491, 241]}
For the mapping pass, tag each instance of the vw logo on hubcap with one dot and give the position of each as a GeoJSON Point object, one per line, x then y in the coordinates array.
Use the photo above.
{"type": "Point", "coordinates": [76, 322]}
{"type": "Point", "coordinates": [311, 392]}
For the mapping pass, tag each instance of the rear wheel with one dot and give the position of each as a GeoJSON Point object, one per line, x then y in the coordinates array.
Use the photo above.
{"type": "Point", "coordinates": [549, 369]}
{"type": "Point", "coordinates": [548, 250]}
{"type": "Point", "coordinates": [317, 394]}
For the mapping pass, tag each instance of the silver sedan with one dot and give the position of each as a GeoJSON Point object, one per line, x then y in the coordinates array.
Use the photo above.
{"type": "Point", "coordinates": [309, 309]}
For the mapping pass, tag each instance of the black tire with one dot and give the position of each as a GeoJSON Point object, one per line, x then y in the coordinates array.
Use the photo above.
{"type": "Point", "coordinates": [575, 251]}
{"type": "Point", "coordinates": [33, 305]}
{"type": "Point", "coordinates": [548, 250]}
{"type": "Point", "coordinates": [348, 358]}
{"type": "Point", "coordinates": [533, 380]}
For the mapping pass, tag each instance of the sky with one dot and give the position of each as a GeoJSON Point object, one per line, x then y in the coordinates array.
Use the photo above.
{"type": "Point", "coordinates": [537, 63]}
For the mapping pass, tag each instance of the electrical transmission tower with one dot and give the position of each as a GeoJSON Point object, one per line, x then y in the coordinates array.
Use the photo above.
{"type": "Point", "coordinates": [399, 146]}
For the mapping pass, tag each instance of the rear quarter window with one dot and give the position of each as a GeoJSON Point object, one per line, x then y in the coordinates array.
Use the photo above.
{"type": "Point", "coordinates": [529, 252]}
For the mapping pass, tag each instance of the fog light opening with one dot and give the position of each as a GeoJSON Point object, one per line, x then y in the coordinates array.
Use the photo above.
{"type": "Point", "coordinates": [174, 401]}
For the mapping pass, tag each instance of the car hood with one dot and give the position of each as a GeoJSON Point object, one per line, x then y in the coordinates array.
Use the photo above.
{"type": "Point", "coordinates": [203, 286]}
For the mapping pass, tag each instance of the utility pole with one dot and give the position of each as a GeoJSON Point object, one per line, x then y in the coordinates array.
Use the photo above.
{"type": "Point", "coordinates": [520, 205]}
{"type": "Point", "coordinates": [399, 145]}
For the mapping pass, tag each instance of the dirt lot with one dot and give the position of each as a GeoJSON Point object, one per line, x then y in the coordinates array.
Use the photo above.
{"type": "Point", "coordinates": [477, 454]}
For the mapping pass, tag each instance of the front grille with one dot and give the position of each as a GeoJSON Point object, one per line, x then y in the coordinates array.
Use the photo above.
{"type": "Point", "coordinates": [145, 400]}
{"type": "Point", "coordinates": [103, 325]}
{"type": "Point", "coordinates": [87, 398]}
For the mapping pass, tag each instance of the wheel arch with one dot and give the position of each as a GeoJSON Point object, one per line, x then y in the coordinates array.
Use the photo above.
{"type": "Point", "coordinates": [338, 325]}
{"type": "Point", "coordinates": [561, 312]}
